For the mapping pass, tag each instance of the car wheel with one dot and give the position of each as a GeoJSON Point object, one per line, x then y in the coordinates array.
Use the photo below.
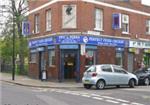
{"type": "Point", "coordinates": [131, 83]}
{"type": "Point", "coordinates": [87, 86]}
{"type": "Point", "coordinates": [100, 84]}
{"type": "Point", "coordinates": [146, 81]}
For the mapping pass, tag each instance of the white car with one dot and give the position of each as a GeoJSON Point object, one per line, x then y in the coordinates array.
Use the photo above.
{"type": "Point", "coordinates": [108, 74]}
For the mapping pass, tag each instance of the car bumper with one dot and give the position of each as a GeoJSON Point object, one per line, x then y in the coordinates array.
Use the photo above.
{"type": "Point", "coordinates": [89, 81]}
{"type": "Point", "coordinates": [141, 80]}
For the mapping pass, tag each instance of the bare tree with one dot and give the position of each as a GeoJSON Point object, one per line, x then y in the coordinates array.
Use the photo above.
{"type": "Point", "coordinates": [17, 10]}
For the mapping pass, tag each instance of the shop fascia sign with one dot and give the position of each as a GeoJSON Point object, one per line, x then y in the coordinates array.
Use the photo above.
{"type": "Point", "coordinates": [139, 44]}
{"type": "Point", "coordinates": [76, 39]}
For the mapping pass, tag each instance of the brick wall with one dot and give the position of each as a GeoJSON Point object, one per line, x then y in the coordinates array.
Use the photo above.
{"type": "Point", "coordinates": [85, 20]}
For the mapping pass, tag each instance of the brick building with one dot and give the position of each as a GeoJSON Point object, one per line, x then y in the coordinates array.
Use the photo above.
{"type": "Point", "coordinates": [69, 35]}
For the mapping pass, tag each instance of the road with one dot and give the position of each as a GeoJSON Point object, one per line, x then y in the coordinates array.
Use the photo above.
{"type": "Point", "coordinates": [20, 95]}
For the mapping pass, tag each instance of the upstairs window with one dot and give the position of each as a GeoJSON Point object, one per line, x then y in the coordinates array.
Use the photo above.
{"type": "Point", "coordinates": [125, 24]}
{"type": "Point", "coordinates": [148, 27]}
{"type": "Point", "coordinates": [36, 24]}
{"type": "Point", "coordinates": [98, 19]}
{"type": "Point", "coordinates": [48, 20]}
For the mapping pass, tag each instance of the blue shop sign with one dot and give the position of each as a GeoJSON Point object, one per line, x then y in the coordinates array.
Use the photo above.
{"type": "Point", "coordinates": [101, 41]}
{"type": "Point", "coordinates": [76, 39]}
{"type": "Point", "coordinates": [72, 39]}
{"type": "Point", "coordinates": [41, 42]}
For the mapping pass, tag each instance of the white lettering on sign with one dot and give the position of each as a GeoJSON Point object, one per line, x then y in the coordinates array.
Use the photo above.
{"type": "Point", "coordinates": [139, 44]}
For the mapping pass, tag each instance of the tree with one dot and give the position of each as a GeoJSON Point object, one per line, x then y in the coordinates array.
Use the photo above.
{"type": "Point", "coordinates": [17, 10]}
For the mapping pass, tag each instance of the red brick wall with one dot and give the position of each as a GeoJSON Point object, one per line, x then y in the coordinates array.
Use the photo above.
{"type": "Point", "coordinates": [85, 20]}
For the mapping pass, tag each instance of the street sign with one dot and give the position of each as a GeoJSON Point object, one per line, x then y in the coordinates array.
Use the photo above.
{"type": "Point", "coordinates": [25, 28]}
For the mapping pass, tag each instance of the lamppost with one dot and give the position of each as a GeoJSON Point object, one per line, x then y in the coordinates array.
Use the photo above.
{"type": "Point", "coordinates": [13, 38]}
{"type": "Point", "coordinates": [13, 55]}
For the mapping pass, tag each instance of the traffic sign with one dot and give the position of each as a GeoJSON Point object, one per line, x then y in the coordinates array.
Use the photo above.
{"type": "Point", "coordinates": [25, 28]}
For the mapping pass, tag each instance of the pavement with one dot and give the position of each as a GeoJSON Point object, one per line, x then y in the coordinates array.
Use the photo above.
{"type": "Point", "coordinates": [30, 82]}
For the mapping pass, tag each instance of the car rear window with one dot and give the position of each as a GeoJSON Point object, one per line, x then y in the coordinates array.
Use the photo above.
{"type": "Point", "coordinates": [91, 69]}
{"type": "Point", "coordinates": [106, 68]}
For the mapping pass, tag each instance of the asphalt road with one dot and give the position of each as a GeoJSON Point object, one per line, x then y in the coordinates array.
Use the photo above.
{"type": "Point", "coordinates": [19, 95]}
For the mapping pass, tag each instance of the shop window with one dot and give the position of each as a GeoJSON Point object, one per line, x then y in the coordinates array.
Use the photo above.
{"type": "Point", "coordinates": [36, 24]}
{"type": "Point", "coordinates": [90, 57]}
{"type": "Point", "coordinates": [147, 59]}
{"type": "Point", "coordinates": [51, 55]}
{"type": "Point", "coordinates": [119, 58]}
{"type": "Point", "coordinates": [148, 27]}
{"type": "Point", "coordinates": [48, 20]}
{"type": "Point", "coordinates": [32, 57]}
{"type": "Point", "coordinates": [125, 24]}
{"type": "Point", "coordinates": [98, 19]}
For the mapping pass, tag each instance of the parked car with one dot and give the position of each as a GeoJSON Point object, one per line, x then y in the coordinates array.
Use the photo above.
{"type": "Point", "coordinates": [143, 75]}
{"type": "Point", "coordinates": [108, 74]}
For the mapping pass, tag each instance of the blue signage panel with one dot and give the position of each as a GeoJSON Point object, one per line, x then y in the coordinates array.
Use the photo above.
{"type": "Point", "coordinates": [76, 39]}
{"type": "Point", "coordinates": [69, 46]}
{"type": "Point", "coordinates": [72, 39]}
{"type": "Point", "coordinates": [116, 21]}
{"type": "Point", "coordinates": [25, 28]}
{"type": "Point", "coordinates": [101, 41]}
{"type": "Point", "coordinates": [41, 42]}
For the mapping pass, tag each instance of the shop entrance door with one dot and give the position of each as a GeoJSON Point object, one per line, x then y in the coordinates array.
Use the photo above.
{"type": "Point", "coordinates": [41, 64]}
{"type": "Point", "coordinates": [69, 64]}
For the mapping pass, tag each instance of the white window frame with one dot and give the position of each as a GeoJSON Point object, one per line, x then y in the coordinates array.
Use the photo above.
{"type": "Point", "coordinates": [98, 19]}
{"type": "Point", "coordinates": [37, 24]}
{"type": "Point", "coordinates": [126, 22]}
{"type": "Point", "coordinates": [48, 20]}
{"type": "Point", "coordinates": [148, 26]}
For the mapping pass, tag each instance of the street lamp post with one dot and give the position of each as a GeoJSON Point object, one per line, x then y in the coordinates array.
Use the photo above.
{"type": "Point", "coordinates": [13, 55]}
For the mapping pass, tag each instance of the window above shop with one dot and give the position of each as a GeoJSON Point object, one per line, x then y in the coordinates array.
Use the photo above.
{"type": "Point", "coordinates": [48, 20]}
{"type": "Point", "coordinates": [148, 26]}
{"type": "Point", "coordinates": [36, 24]}
{"type": "Point", "coordinates": [98, 19]}
{"type": "Point", "coordinates": [125, 24]}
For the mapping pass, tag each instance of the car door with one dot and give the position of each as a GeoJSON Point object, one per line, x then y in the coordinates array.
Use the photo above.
{"type": "Point", "coordinates": [107, 74]}
{"type": "Point", "coordinates": [121, 76]}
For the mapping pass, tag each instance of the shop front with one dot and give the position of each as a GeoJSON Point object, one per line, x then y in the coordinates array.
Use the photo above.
{"type": "Point", "coordinates": [140, 52]}
{"type": "Point", "coordinates": [67, 56]}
